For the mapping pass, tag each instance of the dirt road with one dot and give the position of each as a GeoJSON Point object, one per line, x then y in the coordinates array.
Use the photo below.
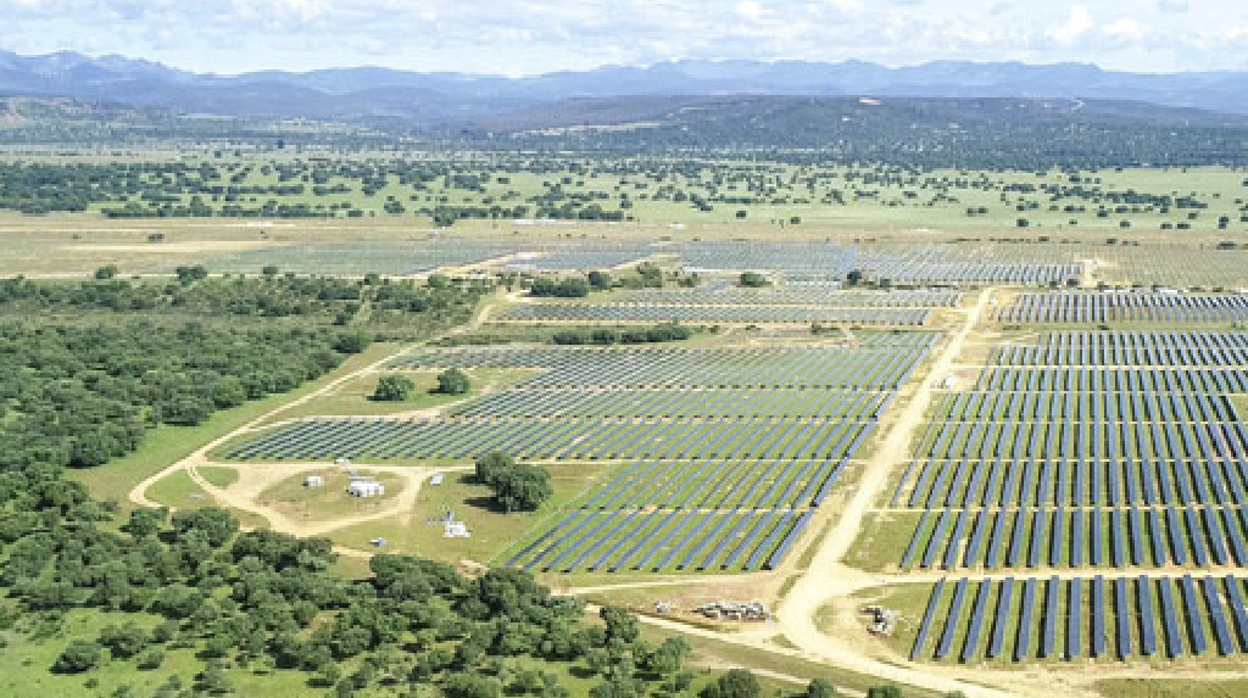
{"type": "Point", "coordinates": [828, 577]}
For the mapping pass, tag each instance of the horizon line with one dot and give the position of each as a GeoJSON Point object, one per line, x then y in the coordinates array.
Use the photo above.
{"type": "Point", "coordinates": [608, 66]}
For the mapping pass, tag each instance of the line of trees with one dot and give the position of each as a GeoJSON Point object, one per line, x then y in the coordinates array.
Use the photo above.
{"type": "Point", "coordinates": [606, 336]}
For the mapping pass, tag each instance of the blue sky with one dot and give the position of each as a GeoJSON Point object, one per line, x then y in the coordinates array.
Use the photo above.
{"type": "Point", "coordinates": [532, 36]}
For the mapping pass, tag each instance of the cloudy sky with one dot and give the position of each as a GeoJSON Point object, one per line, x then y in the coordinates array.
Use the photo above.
{"type": "Point", "coordinates": [531, 36]}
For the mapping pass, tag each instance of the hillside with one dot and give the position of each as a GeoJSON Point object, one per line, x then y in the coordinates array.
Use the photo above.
{"type": "Point", "coordinates": [994, 132]}
{"type": "Point", "coordinates": [367, 93]}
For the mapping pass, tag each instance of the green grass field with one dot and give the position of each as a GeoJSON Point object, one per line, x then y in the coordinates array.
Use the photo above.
{"type": "Point", "coordinates": [27, 657]}
{"type": "Point", "coordinates": [329, 502]}
{"type": "Point", "coordinates": [418, 533]}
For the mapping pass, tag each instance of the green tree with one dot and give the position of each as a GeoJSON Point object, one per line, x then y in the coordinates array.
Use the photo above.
{"type": "Point", "coordinates": [820, 688]}
{"type": "Point", "coordinates": [453, 381]}
{"type": "Point", "coordinates": [189, 275]}
{"type": "Point", "coordinates": [599, 280]}
{"type": "Point", "coordinates": [151, 659]}
{"type": "Point", "coordinates": [621, 625]}
{"type": "Point", "coordinates": [466, 685]}
{"type": "Point", "coordinates": [106, 272]}
{"type": "Point", "coordinates": [492, 466]}
{"type": "Point", "coordinates": [669, 657]}
{"type": "Point", "coordinates": [123, 641]}
{"type": "Point", "coordinates": [393, 388]}
{"type": "Point", "coordinates": [752, 279]}
{"type": "Point", "coordinates": [352, 342]}
{"type": "Point", "coordinates": [215, 525]}
{"type": "Point", "coordinates": [213, 679]}
{"type": "Point", "coordinates": [734, 683]}
{"type": "Point", "coordinates": [523, 488]}
{"type": "Point", "coordinates": [78, 656]}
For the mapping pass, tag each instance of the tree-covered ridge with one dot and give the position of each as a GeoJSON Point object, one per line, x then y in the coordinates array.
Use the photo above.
{"type": "Point", "coordinates": [86, 369]}
{"type": "Point", "coordinates": [990, 133]}
{"type": "Point", "coordinates": [81, 395]}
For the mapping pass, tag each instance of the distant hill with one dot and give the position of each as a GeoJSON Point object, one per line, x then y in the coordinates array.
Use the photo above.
{"type": "Point", "coordinates": [941, 132]}
{"type": "Point", "coordinates": [832, 115]}
{"type": "Point", "coordinates": [366, 94]}
{"type": "Point", "coordinates": [1009, 133]}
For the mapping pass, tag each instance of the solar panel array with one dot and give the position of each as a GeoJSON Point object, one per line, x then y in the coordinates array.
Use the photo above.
{"type": "Point", "coordinates": [726, 314]}
{"type": "Point", "coordinates": [583, 255]}
{"type": "Point", "coordinates": [1084, 452]}
{"type": "Point", "coordinates": [1117, 617]}
{"type": "Point", "coordinates": [1081, 449]}
{"type": "Point", "coordinates": [1063, 307]}
{"type": "Point", "coordinates": [725, 452]}
{"type": "Point", "coordinates": [789, 304]}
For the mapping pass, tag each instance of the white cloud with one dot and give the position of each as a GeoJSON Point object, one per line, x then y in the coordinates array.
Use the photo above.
{"type": "Point", "coordinates": [1126, 28]}
{"type": "Point", "coordinates": [530, 36]}
{"type": "Point", "coordinates": [1078, 23]}
{"type": "Point", "coordinates": [853, 7]}
{"type": "Point", "coordinates": [750, 10]}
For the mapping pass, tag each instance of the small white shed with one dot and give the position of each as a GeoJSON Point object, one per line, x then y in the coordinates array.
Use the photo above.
{"type": "Point", "coordinates": [366, 488]}
{"type": "Point", "coordinates": [314, 481]}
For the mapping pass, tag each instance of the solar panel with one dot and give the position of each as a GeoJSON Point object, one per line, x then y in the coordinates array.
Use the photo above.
{"type": "Point", "coordinates": [1195, 622]}
{"type": "Point", "coordinates": [1001, 618]}
{"type": "Point", "coordinates": [1169, 618]}
{"type": "Point", "coordinates": [1098, 638]}
{"type": "Point", "coordinates": [1144, 600]}
{"type": "Point", "coordinates": [1048, 633]}
{"type": "Point", "coordinates": [952, 620]}
{"type": "Point", "coordinates": [1022, 642]}
{"type": "Point", "coordinates": [971, 644]}
{"type": "Point", "coordinates": [1122, 614]}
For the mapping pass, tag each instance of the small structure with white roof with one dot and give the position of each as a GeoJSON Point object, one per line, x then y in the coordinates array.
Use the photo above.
{"type": "Point", "coordinates": [363, 487]}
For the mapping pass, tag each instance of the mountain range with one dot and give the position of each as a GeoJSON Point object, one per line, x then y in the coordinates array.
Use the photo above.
{"type": "Point", "coordinates": [368, 94]}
